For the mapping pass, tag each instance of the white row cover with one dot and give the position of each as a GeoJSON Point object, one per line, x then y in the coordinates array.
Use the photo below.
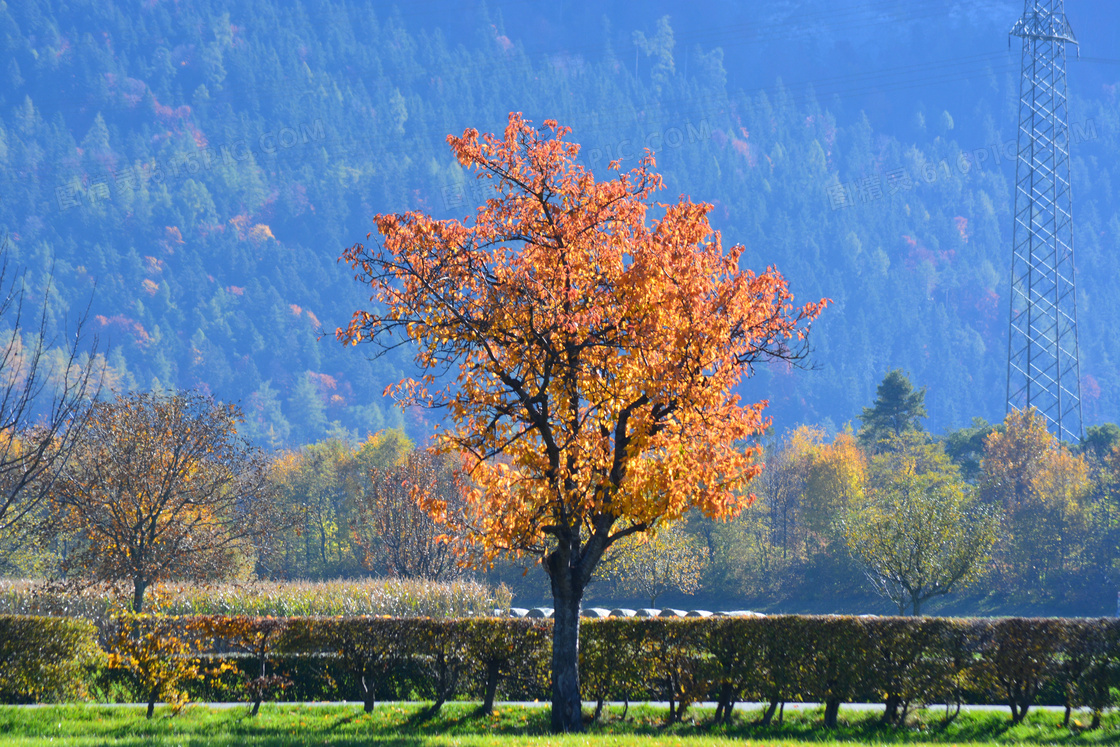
{"type": "Point", "coordinates": [601, 612]}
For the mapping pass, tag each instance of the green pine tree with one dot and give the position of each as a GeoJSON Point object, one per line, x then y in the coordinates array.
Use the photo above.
{"type": "Point", "coordinates": [898, 409]}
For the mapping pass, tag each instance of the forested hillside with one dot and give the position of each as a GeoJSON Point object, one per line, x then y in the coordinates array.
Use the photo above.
{"type": "Point", "coordinates": [197, 168]}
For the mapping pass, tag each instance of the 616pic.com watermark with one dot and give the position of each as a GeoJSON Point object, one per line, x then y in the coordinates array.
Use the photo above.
{"type": "Point", "coordinates": [876, 186]}
{"type": "Point", "coordinates": [91, 190]}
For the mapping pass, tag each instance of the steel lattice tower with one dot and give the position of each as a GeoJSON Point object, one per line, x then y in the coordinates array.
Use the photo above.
{"type": "Point", "coordinates": [1042, 358]}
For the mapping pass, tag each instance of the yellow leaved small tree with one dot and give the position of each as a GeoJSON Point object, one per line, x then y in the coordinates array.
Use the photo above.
{"type": "Point", "coordinates": [162, 655]}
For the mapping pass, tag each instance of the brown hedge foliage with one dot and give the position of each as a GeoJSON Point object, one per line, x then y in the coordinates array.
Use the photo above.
{"type": "Point", "coordinates": [369, 648]}
{"type": "Point", "coordinates": [1091, 665]}
{"type": "Point", "coordinates": [253, 636]}
{"type": "Point", "coordinates": [1019, 656]}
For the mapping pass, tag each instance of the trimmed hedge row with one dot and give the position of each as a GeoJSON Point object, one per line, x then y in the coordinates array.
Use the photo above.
{"type": "Point", "coordinates": [435, 660]}
{"type": "Point", "coordinates": [901, 662]}
{"type": "Point", "coordinates": [898, 661]}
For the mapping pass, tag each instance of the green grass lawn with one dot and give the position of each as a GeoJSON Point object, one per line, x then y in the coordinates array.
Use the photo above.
{"type": "Point", "coordinates": [393, 724]}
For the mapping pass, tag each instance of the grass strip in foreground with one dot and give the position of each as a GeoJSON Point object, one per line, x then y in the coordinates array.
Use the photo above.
{"type": "Point", "coordinates": [394, 724]}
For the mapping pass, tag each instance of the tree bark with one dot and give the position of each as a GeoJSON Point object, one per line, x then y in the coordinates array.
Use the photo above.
{"type": "Point", "coordinates": [258, 696]}
{"type": "Point", "coordinates": [567, 714]}
{"type": "Point", "coordinates": [446, 681]}
{"type": "Point", "coordinates": [768, 714]}
{"type": "Point", "coordinates": [831, 711]}
{"type": "Point", "coordinates": [726, 704]}
{"type": "Point", "coordinates": [567, 592]}
{"type": "Point", "coordinates": [678, 702]}
{"type": "Point", "coordinates": [139, 586]}
{"type": "Point", "coordinates": [890, 712]}
{"type": "Point", "coordinates": [493, 673]}
{"type": "Point", "coordinates": [369, 693]}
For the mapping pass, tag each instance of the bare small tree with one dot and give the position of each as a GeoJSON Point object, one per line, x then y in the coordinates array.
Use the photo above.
{"type": "Point", "coordinates": [395, 533]}
{"type": "Point", "coordinates": [669, 561]}
{"type": "Point", "coordinates": [45, 382]}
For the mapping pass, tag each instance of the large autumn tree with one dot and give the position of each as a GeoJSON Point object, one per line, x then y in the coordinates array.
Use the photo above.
{"type": "Point", "coordinates": [161, 487]}
{"type": "Point", "coordinates": [595, 352]}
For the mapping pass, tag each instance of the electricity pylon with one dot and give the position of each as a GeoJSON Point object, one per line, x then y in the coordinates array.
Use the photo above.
{"type": "Point", "coordinates": [1042, 359]}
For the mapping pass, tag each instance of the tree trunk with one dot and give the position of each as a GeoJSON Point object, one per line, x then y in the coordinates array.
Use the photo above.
{"type": "Point", "coordinates": [917, 606]}
{"type": "Point", "coordinates": [726, 703]}
{"type": "Point", "coordinates": [447, 683]}
{"type": "Point", "coordinates": [672, 703]}
{"type": "Point", "coordinates": [493, 672]}
{"type": "Point", "coordinates": [890, 712]}
{"type": "Point", "coordinates": [831, 711]}
{"type": "Point", "coordinates": [153, 695]}
{"type": "Point", "coordinates": [259, 695]}
{"type": "Point", "coordinates": [369, 693]}
{"type": "Point", "coordinates": [681, 698]}
{"type": "Point", "coordinates": [671, 696]}
{"type": "Point", "coordinates": [433, 709]}
{"type": "Point", "coordinates": [567, 714]}
{"type": "Point", "coordinates": [139, 586]}
{"type": "Point", "coordinates": [768, 714]}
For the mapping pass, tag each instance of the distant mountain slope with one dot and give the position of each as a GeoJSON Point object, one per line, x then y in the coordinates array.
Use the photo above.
{"type": "Point", "coordinates": [199, 167]}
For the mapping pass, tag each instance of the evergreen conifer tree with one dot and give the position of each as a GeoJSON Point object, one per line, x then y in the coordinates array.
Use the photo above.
{"type": "Point", "coordinates": [898, 409]}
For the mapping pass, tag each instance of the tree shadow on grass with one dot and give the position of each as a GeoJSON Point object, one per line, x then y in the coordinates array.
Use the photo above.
{"type": "Point", "coordinates": [293, 740]}
{"type": "Point", "coordinates": [866, 727]}
{"type": "Point", "coordinates": [461, 719]}
{"type": "Point", "coordinates": [346, 720]}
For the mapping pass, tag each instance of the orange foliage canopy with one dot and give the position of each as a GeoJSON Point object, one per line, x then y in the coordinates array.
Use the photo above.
{"type": "Point", "coordinates": [597, 348]}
